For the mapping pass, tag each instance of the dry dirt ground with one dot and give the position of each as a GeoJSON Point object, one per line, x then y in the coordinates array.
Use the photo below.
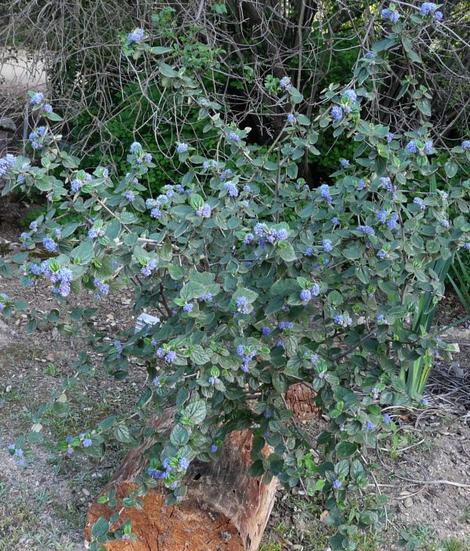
{"type": "Point", "coordinates": [425, 469]}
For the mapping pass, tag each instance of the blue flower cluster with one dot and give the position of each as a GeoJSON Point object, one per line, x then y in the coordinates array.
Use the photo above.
{"type": "Point", "coordinates": [388, 218]}
{"type": "Point", "coordinates": [140, 156]}
{"type": "Point", "coordinates": [3, 301]}
{"type": "Point", "coordinates": [344, 320]}
{"type": "Point", "coordinates": [37, 137]}
{"type": "Point", "coordinates": [77, 183]}
{"type": "Point", "coordinates": [182, 148]}
{"type": "Point", "coordinates": [205, 211]}
{"type": "Point", "coordinates": [325, 193]}
{"type": "Point", "coordinates": [246, 355]}
{"type": "Point", "coordinates": [264, 234]}
{"type": "Point", "coordinates": [136, 36]}
{"type": "Point", "coordinates": [61, 278]}
{"type": "Point", "coordinates": [419, 203]}
{"type": "Point", "coordinates": [168, 355]}
{"type": "Point", "coordinates": [37, 98]}
{"type": "Point", "coordinates": [465, 145]}
{"type": "Point", "coordinates": [336, 113]}
{"type": "Point", "coordinates": [242, 305]}
{"type": "Point", "coordinates": [390, 14]}
{"type": "Point", "coordinates": [430, 8]}
{"type": "Point", "coordinates": [6, 163]}
{"type": "Point", "coordinates": [102, 289]}
{"type": "Point", "coordinates": [306, 295]}
{"type": "Point", "coordinates": [231, 188]}
{"type": "Point", "coordinates": [285, 83]}
{"type": "Point", "coordinates": [366, 230]}
{"type": "Point", "coordinates": [147, 270]}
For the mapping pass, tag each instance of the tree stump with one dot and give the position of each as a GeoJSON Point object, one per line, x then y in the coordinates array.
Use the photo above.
{"type": "Point", "coordinates": [226, 509]}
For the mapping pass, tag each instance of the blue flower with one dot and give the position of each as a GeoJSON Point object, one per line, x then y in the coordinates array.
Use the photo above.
{"type": "Point", "coordinates": [231, 188]}
{"type": "Point", "coordinates": [314, 358]}
{"type": "Point", "coordinates": [335, 221]}
{"type": "Point", "coordinates": [387, 419]}
{"type": "Point", "coordinates": [182, 148]}
{"type": "Point", "coordinates": [7, 162]}
{"type": "Point", "coordinates": [327, 246]}
{"type": "Point", "coordinates": [49, 244]}
{"type": "Point", "coordinates": [438, 16]}
{"type": "Point", "coordinates": [266, 331]}
{"type": "Point", "coordinates": [214, 448]}
{"type": "Point", "coordinates": [336, 113]}
{"type": "Point", "coordinates": [205, 211]}
{"type": "Point", "coordinates": [350, 95]}
{"type": "Point", "coordinates": [102, 288]}
{"type": "Point", "coordinates": [207, 297]}
{"type": "Point", "coordinates": [380, 318]}
{"type": "Point", "coordinates": [465, 145]}
{"type": "Point", "coordinates": [291, 118]}
{"type": "Point", "coordinates": [47, 108]}
{"type": "Point", "coordinates": [188, 307]}
{"type": "Point", "coordinates": [155, 473]}
{"type": "Point", "coordinates": [381, 254]}
{"type": "Point", "coordinates": [75, 185]}
{"type": "Point", "coordinates": [419, 203]}
{"type": "Point", "coordinates": [370, 425]}
{"type": "Point", "coordinates": [366, 230]}
{"type": "Point", "coordinates": [135, 147]}
{"type": "Point", "coordinates": [309, 251]}
{"type": "Point", "coordinates": [129, 196]}
{"type": "Point", "coordinates": [242, 305]}
{"type": "Point", "coordinates": [344, 163]}
{"type": "Point", "coordinates": [227, 173]}
{"type": "Point", "coordinates": [411, 147]}
{"type": "Point", "coordinates": [427, 8]}
{"type": "Point", "coordinates": [361, 184]}
{"type": "Point", "coordinates": [392, 222]}
{"type": "Point", "coordinates": [155, 213]}
{"type": "Point", "coordinates": [147, 270]}
{"type": "Point", "coordinates": [37, 98]}
{"type": "Point", "coordinates": [136, 36]}
{"type": "Point", "coordinates": [249, 237]}
{"type": "Point", "coordinates": [92, 233]}
{"type": "Point", "coordinates": [467, 246]}
{"type": "Point", "coordinates": [386, 183]}
{"type": "Point", "coordinates": [337, 484]}
{"type": "Point", "coordinates": [213, 380]}
{"type": "Point", "coordinates": [148, 157]}
{"type": "Point", "coordinates": [281, 235]}
{"type": "Point", "coordinates": [315, 290]}
{"type": "Point", "coordinates": [370, 55]}
{"type": "Point", "coordinates": [170, 356]}
{"type": "Point", "coordinates": [428, 147]}
{"type": "Point", "coordinates": [233, 137]}
{"type": "Point", "coordinates": [390, 137]}
{"type": "Point", "coordinates": [284, 325]}
{"type": "Point", "coordinates": [87, 442]}
{"type": "Point", "coordinates": [382, 216]}
{"type": "Point", "coordinates": [390, 15]}
{"type": "Point", "coordinates": [325, 193]}
{"type": "Point", "coordinates": [305, 295]}
{"type": "Point", "coordinates": [444, 223]}
{"type": "Point", "coordinates": [285, 83]}
{"type": "Point", "coordinates": [184, 463]}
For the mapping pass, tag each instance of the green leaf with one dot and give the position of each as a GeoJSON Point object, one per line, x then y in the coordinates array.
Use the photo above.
{"type": "Point", "coordinates": [286, 251]}
{"type": "Point", "coordinates": [83, 253]}
{"type": "Point", "coordinates": [451, 168]}
{"type": "Point", "coordinates": [199, 356]}
{"type": "Point", "coordinates": [195, 412]}
{"type": "Point", "coordinates": [346, 449]}
{"type": "Point", "coordinates": [100, 528]}
{"type": "Point", "coordinates": [122, 434]}
{"type": "Point", "coordinates": [179, 436]}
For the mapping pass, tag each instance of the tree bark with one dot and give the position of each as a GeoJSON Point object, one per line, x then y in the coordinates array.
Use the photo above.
{"type": "Point", "coordinates": [226, 509]}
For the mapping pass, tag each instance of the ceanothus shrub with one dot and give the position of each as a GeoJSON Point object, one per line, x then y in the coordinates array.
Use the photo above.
{"type": "Point", "coordinates": [259, 280]}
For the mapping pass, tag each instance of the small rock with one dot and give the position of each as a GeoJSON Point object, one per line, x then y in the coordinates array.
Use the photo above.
{"type": "Point", "coordinates": [85, 492]}
{"type": "Point", "coordinates": [408, 502]}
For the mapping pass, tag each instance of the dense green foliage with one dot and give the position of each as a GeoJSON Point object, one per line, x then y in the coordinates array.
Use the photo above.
{"type": "Point", "coordinates": [259, 279]}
